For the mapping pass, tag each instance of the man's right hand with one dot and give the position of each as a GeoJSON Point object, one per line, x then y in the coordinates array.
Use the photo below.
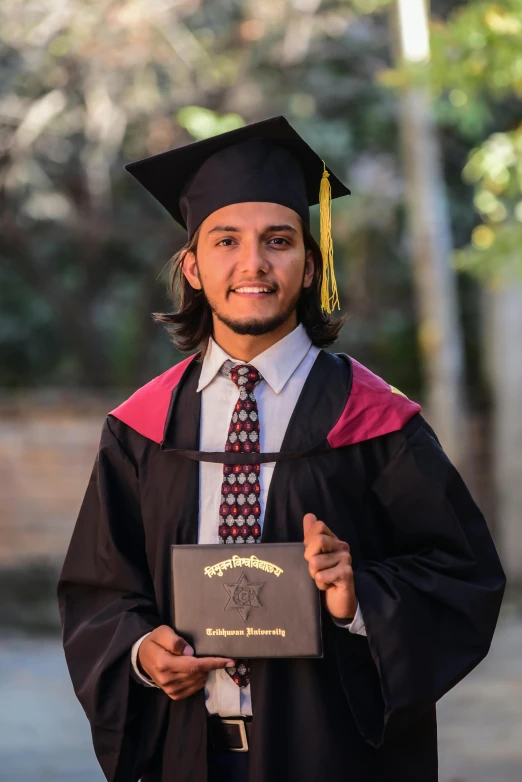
{"type": "Point", "coordinates": [170, 663]}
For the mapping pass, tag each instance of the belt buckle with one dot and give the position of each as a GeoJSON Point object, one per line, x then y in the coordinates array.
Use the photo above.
{"type": "Point", "coordinates": [242, 734]}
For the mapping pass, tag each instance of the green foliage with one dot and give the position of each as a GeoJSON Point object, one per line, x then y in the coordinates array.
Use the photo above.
{"type": "Point", "coordinates": [204, 123]}
{"type": "Point", "coordinates": [475, 77]}
{"type": "Point", "coordinates": [369, 6]}
{"type": "Point", "coordinates": [477, 72]}
{"type": "Point", "coordinates": [476, 61]}
{"type": "Point", "coordinates": [494, 254]}
{"type": "Point", "coordinates": [478, 48]}
{"type": "Point", "coordinates": [495, 170]}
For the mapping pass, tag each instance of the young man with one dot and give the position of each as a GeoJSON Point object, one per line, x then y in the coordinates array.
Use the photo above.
{"type": "Point", "coordinates": [410, 578]}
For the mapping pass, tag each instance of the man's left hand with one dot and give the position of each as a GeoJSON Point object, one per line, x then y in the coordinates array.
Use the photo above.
{"type": "Point", "coordinates": [330, 565]}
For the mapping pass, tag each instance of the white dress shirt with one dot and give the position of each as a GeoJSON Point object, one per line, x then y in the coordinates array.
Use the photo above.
{"type": "Point", "coordinates": [284, 368]}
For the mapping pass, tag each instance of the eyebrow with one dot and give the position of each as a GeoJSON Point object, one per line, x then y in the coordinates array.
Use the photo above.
{"type": "Point", "coordinates": [234, 229]}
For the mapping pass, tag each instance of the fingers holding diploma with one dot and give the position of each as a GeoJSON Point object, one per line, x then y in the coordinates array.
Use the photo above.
{"type": "Point", "coordinates": [169, 661]}
{"type": "Point", "coordinates": [330, 564]}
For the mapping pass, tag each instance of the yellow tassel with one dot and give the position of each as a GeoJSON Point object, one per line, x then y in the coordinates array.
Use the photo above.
{"type": "Point", "coordinates": [328, 300]}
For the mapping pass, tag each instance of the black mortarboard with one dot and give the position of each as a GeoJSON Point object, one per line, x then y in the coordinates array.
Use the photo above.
{"type": "Point", "coordinates": [265, 161]}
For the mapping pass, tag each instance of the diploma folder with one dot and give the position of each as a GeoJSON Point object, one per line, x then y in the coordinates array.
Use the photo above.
{"type": "Point", "coordinates": [246, 600]}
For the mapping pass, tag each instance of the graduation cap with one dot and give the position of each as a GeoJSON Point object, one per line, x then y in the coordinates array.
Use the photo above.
{"type": "Point", "coordinates": [264, 161]}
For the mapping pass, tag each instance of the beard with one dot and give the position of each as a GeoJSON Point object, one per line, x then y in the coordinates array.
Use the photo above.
{"type": "Point", "coordinates": [255, 327]}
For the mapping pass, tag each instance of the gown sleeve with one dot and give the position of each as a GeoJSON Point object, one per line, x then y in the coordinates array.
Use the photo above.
{"type": "Point", "coordinates": [430, 607]}
{"type": "Point", "coordinates": [106, 601]}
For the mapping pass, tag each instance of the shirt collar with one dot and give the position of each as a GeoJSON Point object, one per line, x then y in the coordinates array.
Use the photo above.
{"type": "Point", "coordinates": [276, 365]}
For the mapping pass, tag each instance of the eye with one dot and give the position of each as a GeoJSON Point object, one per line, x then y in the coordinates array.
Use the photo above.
{"type": "Point", "coordinates": [279, 239]}
{"type": "Point", "coordinates": [225, 240]}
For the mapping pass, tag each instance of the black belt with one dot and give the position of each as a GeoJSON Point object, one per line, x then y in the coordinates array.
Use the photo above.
{"type": "Point", "coordinates": [229, 733]}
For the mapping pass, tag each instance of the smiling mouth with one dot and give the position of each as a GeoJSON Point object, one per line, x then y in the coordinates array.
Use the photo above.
{"type": "Point", "coordinates": [253, 290]}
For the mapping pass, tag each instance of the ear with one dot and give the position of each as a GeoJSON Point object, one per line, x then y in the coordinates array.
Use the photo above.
{"type": "Point", "coordinates": [309, 269]}
{"type": "Point", "coordinates": [190, 270]}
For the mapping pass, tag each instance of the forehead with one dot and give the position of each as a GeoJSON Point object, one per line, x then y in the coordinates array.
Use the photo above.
{"type": "Point", "coordinates": [254, 215]}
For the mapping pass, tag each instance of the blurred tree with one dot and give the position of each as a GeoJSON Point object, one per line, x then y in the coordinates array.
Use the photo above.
{"type": "Point", "coordinates": [87, 86]}
{"type": "Point", "coordinates": [477, 73]}
{"type": "Point", "coordinates": [439, 330]}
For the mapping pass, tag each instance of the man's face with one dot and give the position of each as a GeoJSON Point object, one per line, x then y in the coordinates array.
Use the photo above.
{"type": "Point", "coordinates": [252, 265]}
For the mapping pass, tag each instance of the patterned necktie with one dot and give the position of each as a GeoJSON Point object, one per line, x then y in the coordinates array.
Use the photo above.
{"type": "Point", "coordinates": [240, 506]}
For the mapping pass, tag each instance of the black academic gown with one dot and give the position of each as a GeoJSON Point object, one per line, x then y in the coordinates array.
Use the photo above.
{"type": "Point", "coordinates": [427, 577]}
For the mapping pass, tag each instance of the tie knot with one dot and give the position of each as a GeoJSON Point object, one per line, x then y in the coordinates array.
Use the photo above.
{"type": "Point", "coordinates": [245, 376]}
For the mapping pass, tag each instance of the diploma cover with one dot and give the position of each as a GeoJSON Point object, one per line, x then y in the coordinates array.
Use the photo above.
{"type": "Point", "coordinates": [246, 600]}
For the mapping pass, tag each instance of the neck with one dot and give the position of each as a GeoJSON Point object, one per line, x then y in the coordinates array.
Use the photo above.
{"type": "Point", "coordinates": [245, 347]}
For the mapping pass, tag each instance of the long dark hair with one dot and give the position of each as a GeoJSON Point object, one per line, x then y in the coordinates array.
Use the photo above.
{"type": "Point", "coordinates": [190, 325]}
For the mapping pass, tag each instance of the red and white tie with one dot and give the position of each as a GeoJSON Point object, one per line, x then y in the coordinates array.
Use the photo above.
{"type": "Point", "coordinates": [240, 506]}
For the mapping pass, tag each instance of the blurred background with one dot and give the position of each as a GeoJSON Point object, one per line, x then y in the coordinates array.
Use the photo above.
{"type": "Point", "coordinates": [418, 108]}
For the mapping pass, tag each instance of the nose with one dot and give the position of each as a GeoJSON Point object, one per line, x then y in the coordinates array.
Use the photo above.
{"type": "Point", "coordinates": [251, 258]}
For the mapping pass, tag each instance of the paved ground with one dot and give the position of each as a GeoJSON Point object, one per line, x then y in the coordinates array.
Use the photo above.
{"type": "Point", "coordinates": [480, 721]}
{"type": "Point", "coordinates": [44, 736]}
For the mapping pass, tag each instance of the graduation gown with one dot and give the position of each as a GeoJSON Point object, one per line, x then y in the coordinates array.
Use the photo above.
{"type": "Point", "coordinates": [361, 457]}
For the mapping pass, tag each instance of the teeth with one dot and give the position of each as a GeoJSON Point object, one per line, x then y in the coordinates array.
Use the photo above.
{"type": "Point", "coordinates": [252, 290]}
